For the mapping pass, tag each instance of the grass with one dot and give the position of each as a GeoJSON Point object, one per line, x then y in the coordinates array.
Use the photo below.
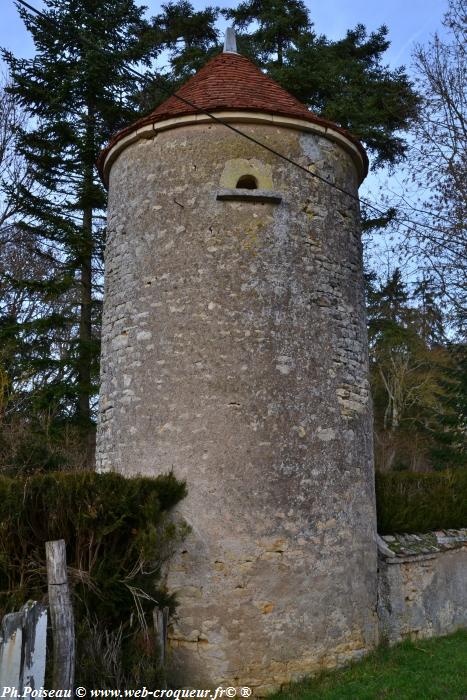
{"type": "Point", "coordinates": [434, 669]}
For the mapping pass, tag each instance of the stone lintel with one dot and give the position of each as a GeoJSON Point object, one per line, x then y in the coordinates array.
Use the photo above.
{"type": "Point", "coordinates": [249, 195]}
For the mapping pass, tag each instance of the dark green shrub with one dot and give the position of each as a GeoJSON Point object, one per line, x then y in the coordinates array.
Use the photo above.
{"type": "Point", "coordinates": [420, 502]}
{"type": "Point", "coordinates": [40, 442]}
{"type": "Point", "coordinates": [118, 534]}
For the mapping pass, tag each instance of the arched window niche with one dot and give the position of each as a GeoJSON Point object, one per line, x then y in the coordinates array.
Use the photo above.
{"type": "Point", "coordinates": [248, 180]}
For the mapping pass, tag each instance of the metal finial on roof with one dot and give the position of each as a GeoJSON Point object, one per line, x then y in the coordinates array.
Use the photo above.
{"type": "Point", "coordinates": [230, 41]}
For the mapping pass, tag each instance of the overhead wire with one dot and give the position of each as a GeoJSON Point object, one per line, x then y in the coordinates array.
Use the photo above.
{"type": "Point", "coordinates": [194, 106]}
{"type": "Point", "coordinates": [408, 223]}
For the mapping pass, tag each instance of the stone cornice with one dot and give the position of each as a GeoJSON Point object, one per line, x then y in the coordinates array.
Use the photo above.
{"type": "Point", "coordinates": [150, 130]}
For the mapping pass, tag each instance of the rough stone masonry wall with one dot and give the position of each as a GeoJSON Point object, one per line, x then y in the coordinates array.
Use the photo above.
{"type": "Point", "coordinates": [235, 352]}
{"type": "Point", "coordinates": [422, 585]}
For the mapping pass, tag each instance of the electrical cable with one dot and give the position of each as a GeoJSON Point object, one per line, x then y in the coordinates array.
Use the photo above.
{"type": "Point", "coordinates": [408, 223]}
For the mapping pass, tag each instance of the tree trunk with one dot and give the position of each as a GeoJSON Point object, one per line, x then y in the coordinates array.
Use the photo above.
{"type": "Point", "coordinates": [85, 355]}
{"type": "Point", "coordinates": [280, 51]}
{"type": "Point", "coordinates": [85, 322]}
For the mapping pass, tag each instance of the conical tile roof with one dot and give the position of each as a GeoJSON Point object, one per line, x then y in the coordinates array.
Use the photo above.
{"type": "Point", "coordinates": [230, 82]}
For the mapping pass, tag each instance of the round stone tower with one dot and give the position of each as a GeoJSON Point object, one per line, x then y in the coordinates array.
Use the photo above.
{"type": "Point", "coordinates": [235, 353]}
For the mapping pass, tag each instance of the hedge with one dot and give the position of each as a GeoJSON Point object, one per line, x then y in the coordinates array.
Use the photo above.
{"type": "Point", "coordinates": [419, 502]}
{"type": "Point", "coordinates": [118, 533]}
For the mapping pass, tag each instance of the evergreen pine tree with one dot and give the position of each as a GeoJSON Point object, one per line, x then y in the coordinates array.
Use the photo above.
{"type": "Point", "coordinates": [344, 80]}
{"type": "Point", "coordinates": [78, 93]}
{"type": "Point", "coordinates": [280, 26]}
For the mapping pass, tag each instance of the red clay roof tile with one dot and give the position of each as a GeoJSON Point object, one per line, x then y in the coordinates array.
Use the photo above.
{"type": "Point", "coordinates": [232, 81]}
{"type": "Point", "coordinates": [229, 81]}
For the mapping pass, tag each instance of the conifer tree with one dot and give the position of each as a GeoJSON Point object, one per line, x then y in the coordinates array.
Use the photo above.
{"type": "Point", "coordinates": [345, 81]}
{"type": "Point", "coordinates": [78, 93]}
{"type": "Point", "coordinates": [190, 37]}
{"type": "Point", "coordinates": [280, 25]}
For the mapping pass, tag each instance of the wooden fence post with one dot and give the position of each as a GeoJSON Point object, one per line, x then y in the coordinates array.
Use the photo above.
{"type": "Point", "coordinates": [61, 615]}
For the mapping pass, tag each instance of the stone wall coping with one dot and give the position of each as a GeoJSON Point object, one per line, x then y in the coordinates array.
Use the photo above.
{"type": "Point", "coordinates": [399, 548]}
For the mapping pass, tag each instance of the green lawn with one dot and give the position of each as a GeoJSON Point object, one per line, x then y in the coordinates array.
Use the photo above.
{"type": "Point", "coordinates": [434, 669]}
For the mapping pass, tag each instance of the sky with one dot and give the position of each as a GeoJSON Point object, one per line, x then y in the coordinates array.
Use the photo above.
{"type": "Point", "coordinates": [409, 21]}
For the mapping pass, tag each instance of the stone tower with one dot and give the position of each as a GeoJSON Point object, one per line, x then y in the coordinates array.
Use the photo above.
{"type": "Point", "coordinates": [235, 353]}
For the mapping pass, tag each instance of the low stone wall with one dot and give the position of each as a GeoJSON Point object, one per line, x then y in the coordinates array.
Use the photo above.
{"type": "Point", "coordinates": [422, 585]}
